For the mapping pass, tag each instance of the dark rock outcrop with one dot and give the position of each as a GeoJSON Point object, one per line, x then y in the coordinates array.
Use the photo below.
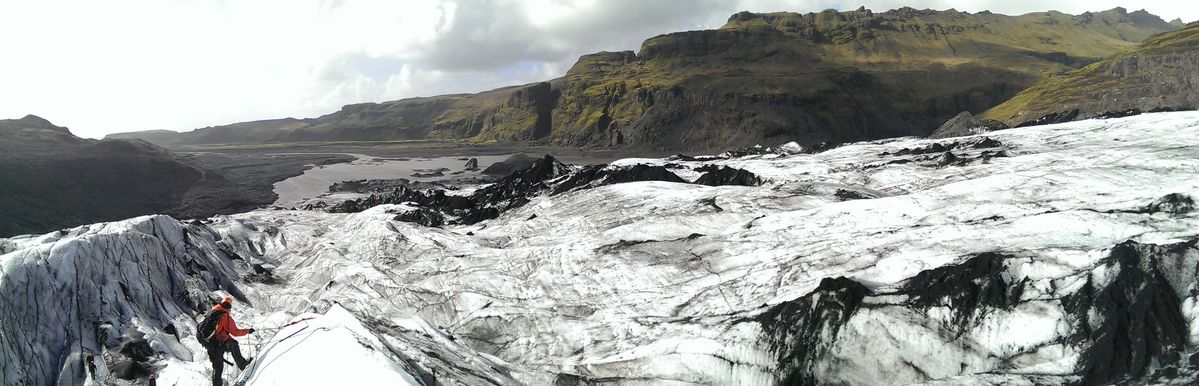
{"type": "Point", "coordinates": [480, 215]}
{"type": "Point", "coordinates": [1173, 203]}
{"type": "Point", "coordinates": [847, 194]}
{"type": "Point", "coordinates": [129, 369]}
{"type": "Point", "coordinates": [512, 164]}
{"type": "Point", "coordinates": [472, 165]}
{"type": "Point", "coordinates": [422, 216]}
{"type": "Point", "coordinates": [545, 175]}
{"type": "Point", "coordinates": [721, 176]}
{"type": "Point", "coordinates": [398, 195]}
{"type": "Point", "coordinates": [515, 189]}
{"type": "Point", "coordinates": [978, 143]}
{"type": "Point", "coordinates": [970, 288]}
{"type": "Point", "coordinates": [1119, 114]}
{"type": "Point", "coordinates": [600, 175]}
{"type": "Point", "coordinates": [800, 331]}
{"type": "Point", "coordinates": [1051, 118]}
{"type": "Point", "coordinates": [384, 185]}
{"type": "Point", "coordinates": [484, 204]}
{"type": "Point", "coordinates": [965, 124]}
{"type": "Point", "coordinates": [136, 347]}
{"type": "Point", "coordinates": [133, 359]}
{"type": "Point", "coordinates": [945, 156]}
{"type": "Point", "coordinates": [947, 159]}
{"type": "Point", "coordinates": [1125, 318]}
{"type": "Point", "coordinates": [684, 157]}
{"type": "Point", "coordinates": [1132, 322]}
{"type": "Point", "coordinates": [935, 147]}
{"type": "Point", "coordinates": [781, 150]}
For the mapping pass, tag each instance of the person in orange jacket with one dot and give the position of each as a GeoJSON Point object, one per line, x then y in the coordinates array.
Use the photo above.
{"type": "Point", "coordinates": [226, 329]}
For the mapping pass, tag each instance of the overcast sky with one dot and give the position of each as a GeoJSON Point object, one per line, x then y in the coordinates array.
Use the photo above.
{"type": "Point", "coordinates": [100, 67]}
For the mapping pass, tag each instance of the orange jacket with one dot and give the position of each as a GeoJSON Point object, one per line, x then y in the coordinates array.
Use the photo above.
{"type": "Point", "coordinates": [226, 326]}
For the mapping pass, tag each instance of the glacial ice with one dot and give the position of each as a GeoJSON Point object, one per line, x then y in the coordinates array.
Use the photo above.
{"type": "Point", "coordinates": [659, 282]}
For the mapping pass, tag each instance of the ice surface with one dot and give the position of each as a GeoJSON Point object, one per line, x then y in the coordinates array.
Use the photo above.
{"type": "Point", "coordinates": [659, 283]}
{"type": "Point", "coordinates": [333, 348]}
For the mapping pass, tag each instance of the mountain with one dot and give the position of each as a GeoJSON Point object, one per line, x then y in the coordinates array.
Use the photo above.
{"type": "Point", "coordinates": [51, 179]}
{"type": "Point", "coordinates": [1054, 254]}
{"type": "Point", "coordinates": [765, 78]}
{"type": "Point", "coordinates": [1159, 74]}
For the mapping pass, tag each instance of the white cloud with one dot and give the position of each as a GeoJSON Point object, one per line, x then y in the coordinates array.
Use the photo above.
{"type": "Point", "coordinates": [102, 67]}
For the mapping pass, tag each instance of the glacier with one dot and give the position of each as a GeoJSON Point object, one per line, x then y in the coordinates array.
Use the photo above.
{"type": "Point", "coordinates": [1050, 254]}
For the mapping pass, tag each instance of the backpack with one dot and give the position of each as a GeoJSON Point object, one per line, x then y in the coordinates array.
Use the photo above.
{"type": "Point", "coordinates": [206, 330]}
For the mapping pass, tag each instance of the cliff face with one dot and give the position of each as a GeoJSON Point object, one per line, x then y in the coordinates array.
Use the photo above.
{"type": "Point", "coordinates": [1157, 75]}
{"type": "Point", "coordinates": [760, 79]}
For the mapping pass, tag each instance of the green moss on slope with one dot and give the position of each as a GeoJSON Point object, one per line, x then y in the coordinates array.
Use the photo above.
{"type": "Point", "coordinates": [1154, 75]}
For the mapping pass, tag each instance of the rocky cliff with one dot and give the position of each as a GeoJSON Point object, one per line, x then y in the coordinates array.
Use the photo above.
{"type": "Point", "coordinates": [1157, 75]}
{"type": "Point", "coordinates": [760, 79]}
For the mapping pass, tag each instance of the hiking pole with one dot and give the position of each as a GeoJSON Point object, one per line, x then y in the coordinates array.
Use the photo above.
{"type": "Point", "coordinates": [249, 345]}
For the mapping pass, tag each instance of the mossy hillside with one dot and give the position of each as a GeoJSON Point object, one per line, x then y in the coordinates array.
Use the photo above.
{"type": "Point", "coordinates": [523, 116]}
{"type": "Point", "coordinates": [604, 88]}
{"type": "Point", "coordinates": [692, 88]}
{"type": "Point", "coordinates": [906, 34]}
{"type": "Point", "coordinates": [771, 77]}
{"type": "Point", "coordinates": [1184, 39]}
{"type": "Point", "coordinates": [1156, 74]}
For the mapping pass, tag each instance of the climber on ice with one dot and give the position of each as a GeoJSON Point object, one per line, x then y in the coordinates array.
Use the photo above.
{"type": "Point", "coordinates": [216, 334]}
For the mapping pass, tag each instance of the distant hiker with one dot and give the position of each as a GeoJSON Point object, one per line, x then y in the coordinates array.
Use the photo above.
{"type": "Point", "coordinates": [91, 365]}
{"type": "Point", "coordinates": [216, 334]}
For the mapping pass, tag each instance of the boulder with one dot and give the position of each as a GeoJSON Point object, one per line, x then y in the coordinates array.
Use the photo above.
{"type": "Point", "coordinates": [472, 164]}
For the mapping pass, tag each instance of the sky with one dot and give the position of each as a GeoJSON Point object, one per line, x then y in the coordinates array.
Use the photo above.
{"type": "Point", "coordinates": [102, 67]}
